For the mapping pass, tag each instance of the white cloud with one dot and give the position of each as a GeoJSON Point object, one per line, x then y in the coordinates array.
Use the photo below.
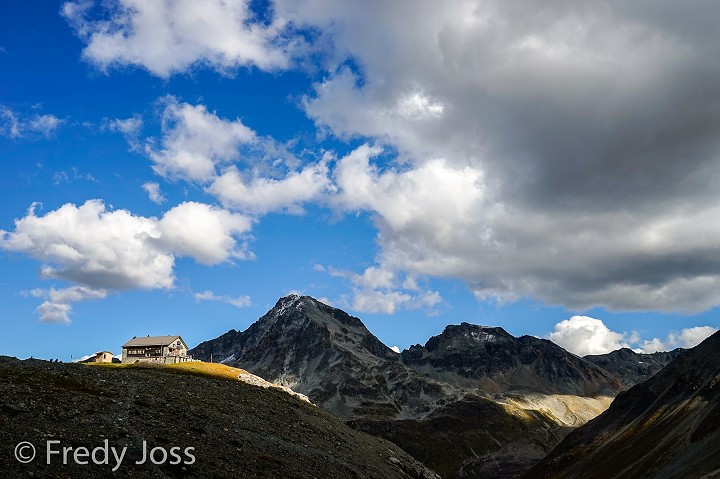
{"type": "Point", "coordinates": [168, 37]}
{"type": "Point", "coordinates": [44, 124]}
{"type": "Point", "coordinates": [101, 250]}
{"type": "Point", "coordinates": [583, 335]}
{"type": "Point", "coordinates": [200, 147]}
{"type": "Point", "coordinates": [653, 345]}
{"type": "Point", "coordinates": [64, 177]}
{"type": "Point", "coordinates": [378, 290]}
{"type": "Point", "coordinates": [238, 302]}
{"type": "Point", "coordinates": [195, 141]}
{"type": "Point", "coordinates": [374, 301]}
{"type": "Point", "coordinates": [126, 126]}
{"type": "Point", "coordinates": [325, 300]}
{"type": "Point", "coordinates": [154, 193]}
{"type": "Point", "coordinates": [686, 338]}
{"type": "Point", "coordinates": [371, 278]}
{"type": "Point", "coordinates": [129, 128]}
{"type": "Point", "coordinates": [9, 124]}
{"type": "Point", "coordinates": [58, 306]}
{"type": "Point", "coordinates": [691, 337]}
{"type": "Point", "coordinates": [54, 312]}
{"type": "Point", "coordinates": [203, 232]}
{"type": "Point", "coordinates": [15, 126]}
{"type": "Point", "coordinates": [262, 194]}
{"type": "Point", "coordinates": [432, 206]}
{"type": "Point", "coordinates": [60, 177]}
{"type": "Point", "coordinates": [395, 349]}
{"type": "Point", "coordinates": [427, 299]}
{"type": "Point", "coordinates": [593, 208]}
{"type": "Point", "coordinates": [94, 247]}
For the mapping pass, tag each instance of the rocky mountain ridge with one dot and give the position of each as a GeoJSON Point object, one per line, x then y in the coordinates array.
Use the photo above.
{"type": "Point", "coordinates": [332, 358]}
{"type": "Point", "coordinates": [665, 427]}
{"type": "Point", "coordinates": [632, 368]}
{"type": "Point", "coordinates": [490, 359]}
{"type": "Point", "coordinates": [523, 394]}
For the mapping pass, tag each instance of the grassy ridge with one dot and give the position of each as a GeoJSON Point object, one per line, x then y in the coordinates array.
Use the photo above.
{"type": "Point", "coordinates": [196, 368]}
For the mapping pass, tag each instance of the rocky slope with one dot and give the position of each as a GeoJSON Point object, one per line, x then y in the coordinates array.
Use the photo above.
{"type": "Point", "coordinates": [436, 401]}
{"type": "Point", "coordinates": [633, 368]}
{"type": "Point", "coordinates": [490, 359]}
{"type": "Point", "coordinates": [666, 427]}
{"type": "Point", "coordinates": [331, 357]}
{"type": "Point", "coordinates": [236, 429]}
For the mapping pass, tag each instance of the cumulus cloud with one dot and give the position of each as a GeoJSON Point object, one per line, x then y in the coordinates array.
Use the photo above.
{"type": "Point", "coordinates": [583, 335]}
{"type": "Point", "coordinates": [653, 346]}
{"type": "Point", "coordinates": [94, 247]}
{"type": "Point", "coordinates": [154, 193]}
{"type": "Point", "coordinates": [580, 186]}
{"type": "Point", "coordinates": [58, 305]}
{"type": "Point", "coordinates": [686, 338]}
{"type": "Point", "coordinates": [238, 302]}
{"type": "Point", "coordinates": [378, 290]}
{"type": "Point", "coordinates": [371, 278]}
{"type": "Point", "coordinates": [260, 194]}
{"type": "Point", "coordinates": [203, 232]}
{"type": "Point", "coordinates": [101, 250]}
{"type": "Point", "coordinates": [691, 337]}
{"type": "Point", "coordinates": [195, 141]}
{"type": "Point", "coordinates": [395, 349]}
{"type": "Point", "coordinates": [200, 147]}
{"type": "Point", "coordinates": [374, 301]}
{"type": "Point", "coordinates": [558, 151]}
{"type": "Point", "coordinates": [169, 37]}
{"type": "Point", "coordinates": [433, 201]}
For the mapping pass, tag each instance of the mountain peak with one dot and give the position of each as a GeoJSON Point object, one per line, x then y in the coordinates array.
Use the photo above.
{"type": "Point", "coordinates": [491, 359]}
{"type": "Point", "coordinates": [632, 367]}
{"type": "Point", "coordinates": [291, 301]}
{"type": "Point", "coordinates": [298, 336]}
{"type": "Point", "coordinates": [302, 308]}
{"type": "Point", "coordinates": [466, 334]}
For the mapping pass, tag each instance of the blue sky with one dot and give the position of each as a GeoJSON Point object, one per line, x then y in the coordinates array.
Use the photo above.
{"type": "Point", "coordinates": [176, 167]}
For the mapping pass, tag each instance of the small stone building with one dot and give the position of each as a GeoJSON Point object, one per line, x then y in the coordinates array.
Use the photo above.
{"type": "Point", "coordinates": [155, 349]}
{"type": "Point", "coordinates": [103, 357]}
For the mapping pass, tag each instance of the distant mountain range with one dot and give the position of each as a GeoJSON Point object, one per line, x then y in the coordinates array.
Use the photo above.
{"type": "Point", "coordinates": [474, 401]}
{"type": "Point", "coordinates": [632, 368]}
{"type": "Point", "coordinates": [492, 360]}
{"type": "Point", "coordinates": [665, 427]}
